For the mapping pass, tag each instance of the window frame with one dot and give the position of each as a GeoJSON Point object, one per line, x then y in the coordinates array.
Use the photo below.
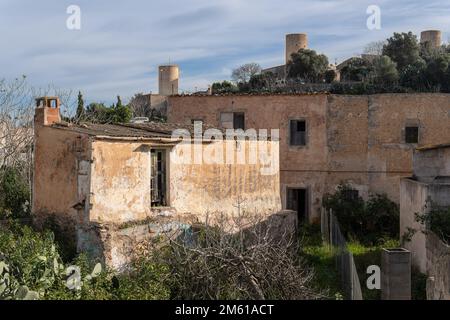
{"type": "Point", "coordinates": [406, 136]}
{"type": "Point", "coordinates": [289, 131]}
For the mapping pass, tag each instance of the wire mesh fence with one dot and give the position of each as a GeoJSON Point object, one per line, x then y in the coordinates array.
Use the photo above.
{"type": "Point", "coordinates": [345, 264]}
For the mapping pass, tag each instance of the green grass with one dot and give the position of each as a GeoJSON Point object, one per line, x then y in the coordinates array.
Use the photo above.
{"type": "Point", "coordinates": [326, 278]}
{"type": "Point", "coordinates": [365, 256]}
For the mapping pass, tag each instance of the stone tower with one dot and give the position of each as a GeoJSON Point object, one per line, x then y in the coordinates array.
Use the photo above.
{"type": "Point", "coordinates": [295, 42]}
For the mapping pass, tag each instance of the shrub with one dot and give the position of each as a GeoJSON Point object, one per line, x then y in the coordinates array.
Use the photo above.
{"type": "Point", "coordinates": [437, 219]}
{"type": "Point", "coordinates": [369, 222]}
{"type": "Point", "coordinates": [31, 268]}
{"type": "Point", "coordinates": [14, 194]}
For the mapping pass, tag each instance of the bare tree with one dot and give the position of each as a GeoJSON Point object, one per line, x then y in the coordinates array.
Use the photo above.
{"type": "Point", "coordinates": [375, 47]}
{"type": "Point", "coordinates": [16, 117]}
{"type": "Point", "coordinates": [245, 72]}
{"type": "Point", "coordinates": [140, 105]}
{"type": "Point", "coordinates": [243, 257]}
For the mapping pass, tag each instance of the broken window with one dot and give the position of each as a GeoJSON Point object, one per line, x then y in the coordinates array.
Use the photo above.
{"type": "Point", "coordinates": [412, 134]}
{"type": "Point", "coordinates": [158, 178]}
{"type": "Point", "coordinates": [297, 132]}
{"type": "Point", "coordinates": [232, 120]}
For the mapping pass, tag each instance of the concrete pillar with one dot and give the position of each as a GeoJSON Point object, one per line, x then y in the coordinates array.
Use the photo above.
{"type": "Point", "coordinates": [395, 274]}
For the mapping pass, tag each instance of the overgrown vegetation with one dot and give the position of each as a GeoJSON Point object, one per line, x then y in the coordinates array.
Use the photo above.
{"type": "Point", "coordinates": [32, 268]}
{"type": "Point", "coordinates": [14, 194]}
{"type": "Point", "coordinates": [322, 259]}
{"type": "Point", "coordinates": [207, 264]}
{"type": "Point", "coordinates": [369, 222]}
{"type": "Point", "coordinates": [437, 220]}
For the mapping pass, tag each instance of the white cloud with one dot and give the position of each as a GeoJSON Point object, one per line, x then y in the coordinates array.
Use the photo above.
{"type": "Point", "coordinates": [121, 43]}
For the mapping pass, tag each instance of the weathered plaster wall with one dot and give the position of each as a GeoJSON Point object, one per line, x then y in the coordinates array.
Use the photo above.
{"type": "Point", "coordinates": [417, 197]}
{"type": "Point", "coordinates": [120, 183]}
{"type": "Point", "coordinates": [354, 139]}
{"type": "Point", "coordinates": [299, 166]}
{"type": "Point", "coordinates": [430, 164]}
{"type": "Point", "coordinates": [61, 179]}
{"type": "Point", "coordinates": [211, 188]}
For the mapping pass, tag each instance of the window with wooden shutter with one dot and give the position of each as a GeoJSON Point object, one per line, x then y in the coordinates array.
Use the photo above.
{"type": "Point", "coordinates": [297, 132]}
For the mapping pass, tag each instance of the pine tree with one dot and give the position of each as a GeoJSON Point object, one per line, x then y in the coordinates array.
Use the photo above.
{"type": "Point", "coordinates": [80, 107]}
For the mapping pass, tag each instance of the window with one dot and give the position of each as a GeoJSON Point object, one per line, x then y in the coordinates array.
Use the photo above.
{"type": "Point", "coordinates": [232, 120]}
{"type": "Point", "coordinates": [193, 121]}
{"type": "Point", "coordinates": [238, 120]}
{"type": "Point", "coordinates": [158, 178]}
{"type": "Point", "coordinates": [297, 132]}
{"type": "Point", "coordinates": [297, 200]}
{"type": "Point", "coordinates": [411, 134]}
{"type": "Point", "coordinates": [351, 194]}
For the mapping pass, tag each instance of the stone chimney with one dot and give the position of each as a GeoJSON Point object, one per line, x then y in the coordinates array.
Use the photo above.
{"type": "Point", "coordinates": [47, 111]}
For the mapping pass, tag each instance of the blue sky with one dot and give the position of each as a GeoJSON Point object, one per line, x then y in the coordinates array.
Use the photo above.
{"type": "Point", "coordinates": [120, 44]}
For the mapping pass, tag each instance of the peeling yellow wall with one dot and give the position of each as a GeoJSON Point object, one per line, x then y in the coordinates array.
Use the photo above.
{"type": "Point", "coordinates": [55, 183]}
{"type": "Point", "coordinates": [120, 183]}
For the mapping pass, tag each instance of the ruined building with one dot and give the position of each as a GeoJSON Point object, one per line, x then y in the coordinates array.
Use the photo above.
{"type": "Point", "coordinates": [366, 141]}
{"type": "Point", "coordinates": [111, 186]}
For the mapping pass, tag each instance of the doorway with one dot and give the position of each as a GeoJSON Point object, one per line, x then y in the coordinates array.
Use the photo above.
{"type": "Point", "coordinates": [158, 178]}
{"type": "Point", "coordinates": [297, 200]}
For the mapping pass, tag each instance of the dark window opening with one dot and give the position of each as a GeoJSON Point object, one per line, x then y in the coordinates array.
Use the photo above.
{"type": "Point", "coordinates": [412, 135]}
{"type": "Point", "coordinates": [297, 200]}
{"type": "Point", "coordinates": [351, 194]}
{"type": "Point", "coordinates": [297, 132]}
{"type": "Point", "coordinates": [238, 120]}
{"type": "Point", "coordinates": [158, 178]}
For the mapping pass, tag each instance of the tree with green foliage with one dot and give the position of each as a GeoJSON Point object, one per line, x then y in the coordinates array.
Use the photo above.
{"type": "Point", "coordinates": [366, 221]}
{"type": "Point", "coordinates": [356, 69]}
{"type": "Point", "coordinates": [119, 113]}
{"type": "Point", "coordinates": [80, 106]}
{"type": "Point", "coordinates": [308, 66]}
{"type": "Point", "coordinates": [14, 194]}
{"type": "Point", "coordinates": [223, 87]}
{"type": "Point", "coordinates": [413, 76]}
{"type": "Point", "coordinates": [403, 49]}
{"type": "Point", "coordinates": [330, 76]}
{"type": "Point", "coordinates": [384, 71]}
{"type": "Point", "coordinates": [116, 113]}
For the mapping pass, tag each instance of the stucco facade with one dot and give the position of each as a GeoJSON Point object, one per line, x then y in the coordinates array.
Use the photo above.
{"type": "Point", "coordinates": [355, 139]}
{"type": "Point", "coordinates": [96, 182]}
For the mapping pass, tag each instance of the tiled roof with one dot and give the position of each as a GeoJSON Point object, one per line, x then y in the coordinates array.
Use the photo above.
{"type": "Point", "coordinates": [141, 130]}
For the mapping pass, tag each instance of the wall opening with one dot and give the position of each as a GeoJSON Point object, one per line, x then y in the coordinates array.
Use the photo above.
{"type": "Point", "coordinates": [158, 182]}
{"type": "Point", "coordinates": [412, 134]}
{"type": "Point", "coordinates": [297, 132]}
{"type": "Point", "coordinates": [297, 200]}
{"type": "Point", "coordinates": [232, 120]}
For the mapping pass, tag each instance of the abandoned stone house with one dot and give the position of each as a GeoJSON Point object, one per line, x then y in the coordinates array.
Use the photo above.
{"type": "Point", "coordinates": [95, 180]}
{"type": "Point", "coordinates": [427, 188]}
{"type": "Point", "coordinates": [366, 141]}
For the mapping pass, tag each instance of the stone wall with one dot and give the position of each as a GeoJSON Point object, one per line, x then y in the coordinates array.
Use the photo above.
{"type": "Point", "coordinates": [353, 139]}
{"type": "Point", "coordinates": [438, 267]}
